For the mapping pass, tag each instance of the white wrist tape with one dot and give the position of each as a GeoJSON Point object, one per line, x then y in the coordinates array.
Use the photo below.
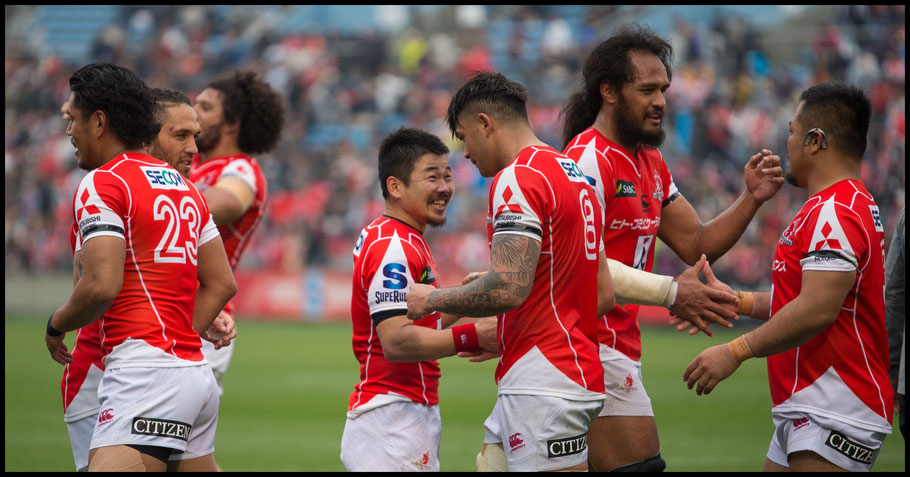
{"type": "Point", "coordinates": [633, 286]}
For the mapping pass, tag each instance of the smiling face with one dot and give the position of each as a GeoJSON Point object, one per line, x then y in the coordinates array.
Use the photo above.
{"type": "Point", "coordinates": [428, 192]}
{"type": "Point", "coordinates": [176, 141]}
{"type": "Point", "coordinates": [639, 112]}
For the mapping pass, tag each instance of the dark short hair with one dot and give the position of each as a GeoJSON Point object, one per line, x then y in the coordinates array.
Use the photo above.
{"type": "Point", "coordinates": [259, 108]}
{"type": "Point", "coordinates": [609, 62]}
{"type": "Point", "coordinates": [122, 96]}
{"type": "Point", "coordinates": [399, 152]}
{"type": "Point", "coordinates": [490, 93]}
{"type": "Point", "coordinates": [165, 98]}
{"type": "Point", "coordinates": [843, 111]}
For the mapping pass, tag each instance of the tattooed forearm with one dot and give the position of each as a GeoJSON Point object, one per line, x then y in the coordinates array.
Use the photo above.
{"type": "Point", "coordinates": [514, 261]}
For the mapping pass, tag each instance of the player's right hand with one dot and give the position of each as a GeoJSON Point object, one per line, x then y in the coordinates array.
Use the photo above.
{"type": "Point", "coordinates": [478, 355]}
{"type": "Point", "coordinates": [58, 349]}
{"type": "Point", "coordinates": [700, 304]}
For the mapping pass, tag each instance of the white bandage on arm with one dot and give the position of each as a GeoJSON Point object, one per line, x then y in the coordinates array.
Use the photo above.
{"type": "Point", "coordinates": [633, 286]}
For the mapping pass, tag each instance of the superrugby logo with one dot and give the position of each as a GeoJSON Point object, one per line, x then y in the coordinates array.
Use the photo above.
{"type": "Point", "coordinates": [852, 450]}
{"type": "Point", "coordinates": [567, 446]}
{"type": "Point", "coordinates": [395, 273]}
{"type": "Point", "coordinates": [105, 417]}
{"type": "Point", "coordinates": [515, 441]}
{"type": "Point", "coordinates": [161, 428]}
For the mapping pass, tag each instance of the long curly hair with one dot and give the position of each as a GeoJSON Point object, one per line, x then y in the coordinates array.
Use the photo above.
{"type": "Point", "coordinates": [259, 108]}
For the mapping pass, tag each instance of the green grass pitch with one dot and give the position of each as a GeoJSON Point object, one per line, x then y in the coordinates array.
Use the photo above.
{"type": "Point", "coordinates": [287, 388]}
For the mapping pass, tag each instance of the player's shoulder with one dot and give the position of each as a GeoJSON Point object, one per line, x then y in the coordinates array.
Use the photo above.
{"type": "Point", "coordinates": [385, 233]}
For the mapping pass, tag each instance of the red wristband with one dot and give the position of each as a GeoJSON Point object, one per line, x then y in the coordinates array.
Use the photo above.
{"type": "Point", "coordinates": [465, 337]}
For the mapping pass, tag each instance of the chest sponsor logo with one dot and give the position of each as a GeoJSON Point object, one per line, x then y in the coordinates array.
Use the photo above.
{"type": "Point", "coordinates": [778, 266]}
{"type": "Point", "coordinates": [645, 223]}
{"type": "Point", "coordinates": [852, 450]}
{"type": "Point", "coordinates": [426, 276]}
{"type": "Point", "coordinates": [566, 446]}
{"type": "Point", "coordinates": [625, 189]}
{"type": "Point", "coordinates": [164, 178]}
{"type": "Point", "coordinates": [161, 428]}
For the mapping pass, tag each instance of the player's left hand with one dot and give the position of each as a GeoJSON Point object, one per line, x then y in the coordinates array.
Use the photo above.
{"type": "Point", "coordinates": [58, 349]}
{"type": "Point", "coordinates": [730, 306]}
{"type": "Point", "coordinates": [222, 331]}
{"type": "Point", "coordinates": [709, 368]}
{"type": "Point", "coordinates": [764, 175]}
{"type": "Point", "coordinates": [419, 301]}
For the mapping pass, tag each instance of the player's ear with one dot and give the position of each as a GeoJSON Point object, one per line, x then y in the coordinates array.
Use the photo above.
{"type": "Point", "coordinates": [394, 186]}
{"type": "Point", "coordinates": [486, 123]}
{"type": "Point", "coordinates": [608, 93]}
{"type": "Point", "coordinates": [100, 121]}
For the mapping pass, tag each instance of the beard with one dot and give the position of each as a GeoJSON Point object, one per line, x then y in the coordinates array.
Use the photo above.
{"type": "Point", "coordinates": [207, 141]}
{"type": "Point", "coordinates": [629, 132]}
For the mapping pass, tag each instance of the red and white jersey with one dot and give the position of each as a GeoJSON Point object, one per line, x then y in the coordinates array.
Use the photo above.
{"type": "Point", "coordinates": [548, 344]}
{"type": "Point", "coordinates": [79, 385]}
{"type": "Point", "coordinates": [631, 189]}
{"type": "Point", "coordinates": [841, 373]}
{"type": "Point", "coordinates": [235, 235]}
{"type": "Point", "coordinates": [389, 257]}
{"type": "Point", "coordinates": [163, 220]}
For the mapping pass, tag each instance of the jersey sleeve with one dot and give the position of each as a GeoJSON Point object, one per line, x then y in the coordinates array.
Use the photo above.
{"type": "Point", "coordinates": [241, 169]}
{"type": "Point", "coordinates": [99, 206]}
{"type": "Point", "coordinates": [518, 202]}
{"type": "Point", "coordinates": [389, 271]}
{"type": "Point", "coordinates": [209, 231]}
{"type": "Point", "coordinates": [664, 185]}
{"type": "Point", "coordinates": [836, 240]}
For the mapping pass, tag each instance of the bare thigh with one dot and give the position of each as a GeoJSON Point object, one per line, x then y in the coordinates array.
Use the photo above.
{"type": "Point", "coordinates": [205, 463]}
{"type": "Point", "coordinates": [122, 458]}
{"type": "Point", "coordinates": [808, 461]}
{"type": "Point", "coordinates": [615, 441]}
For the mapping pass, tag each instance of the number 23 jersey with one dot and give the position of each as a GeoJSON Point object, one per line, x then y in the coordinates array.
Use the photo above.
{"type": "Point", "coordinates": [163, 220]}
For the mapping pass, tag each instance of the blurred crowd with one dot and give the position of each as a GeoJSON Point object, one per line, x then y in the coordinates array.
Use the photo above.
{"type": "Point", "coordinates": [733, 91]}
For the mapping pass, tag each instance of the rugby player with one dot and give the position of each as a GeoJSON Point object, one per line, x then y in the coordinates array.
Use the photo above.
{"type": "Point", "coordinates": [825, 336]}
{"type": "Point", "coordinates": [544, 227]}
{"type": "Point", "coordinates": [613, 128]}
{"type": "Point", "coordinates": [240, 116]}
{"type": "Point", "coordinates": [157, 395]}
{"type": "Point", "coordinates": [393, 420]}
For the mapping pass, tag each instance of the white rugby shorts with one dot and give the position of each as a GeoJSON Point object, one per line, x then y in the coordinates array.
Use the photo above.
{"type": "Point", "coordinates": [80, 432]}
{"type": "Point", "coordinates": [218, 359]}
{"type": "Point", "coordinates": [845, 446]}
{"type": "Point", "coordinates": [541, 433]}
{"type": "Point", "coordinates": [167, 407]}
{"type": "Point", "coordinates": [399, 436]}
{"type": "Point", "coordinates": [626, 394]}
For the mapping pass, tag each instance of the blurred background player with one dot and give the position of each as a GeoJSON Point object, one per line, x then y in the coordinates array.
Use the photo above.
{"type": "Point", "coordinates": [240, 116]}
{"type": "Point", "coordinates": [393, 420]}
{"type": "Point", "coordinates": [174, 144]}
{"type": "Point", "coordinates": [157, 394]}
{"type": "Point", "coordinates": [896, 316]}
{"type": "Point", "coordinates": [548, 281]}
{"type": "Point", "coordinates": [825, 335]}
{"type": "Point", "coordinates": [613, 128]}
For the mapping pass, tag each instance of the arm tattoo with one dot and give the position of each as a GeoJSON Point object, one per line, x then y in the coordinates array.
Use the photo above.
{"type": "Point", "coordinates": [514, 261]}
